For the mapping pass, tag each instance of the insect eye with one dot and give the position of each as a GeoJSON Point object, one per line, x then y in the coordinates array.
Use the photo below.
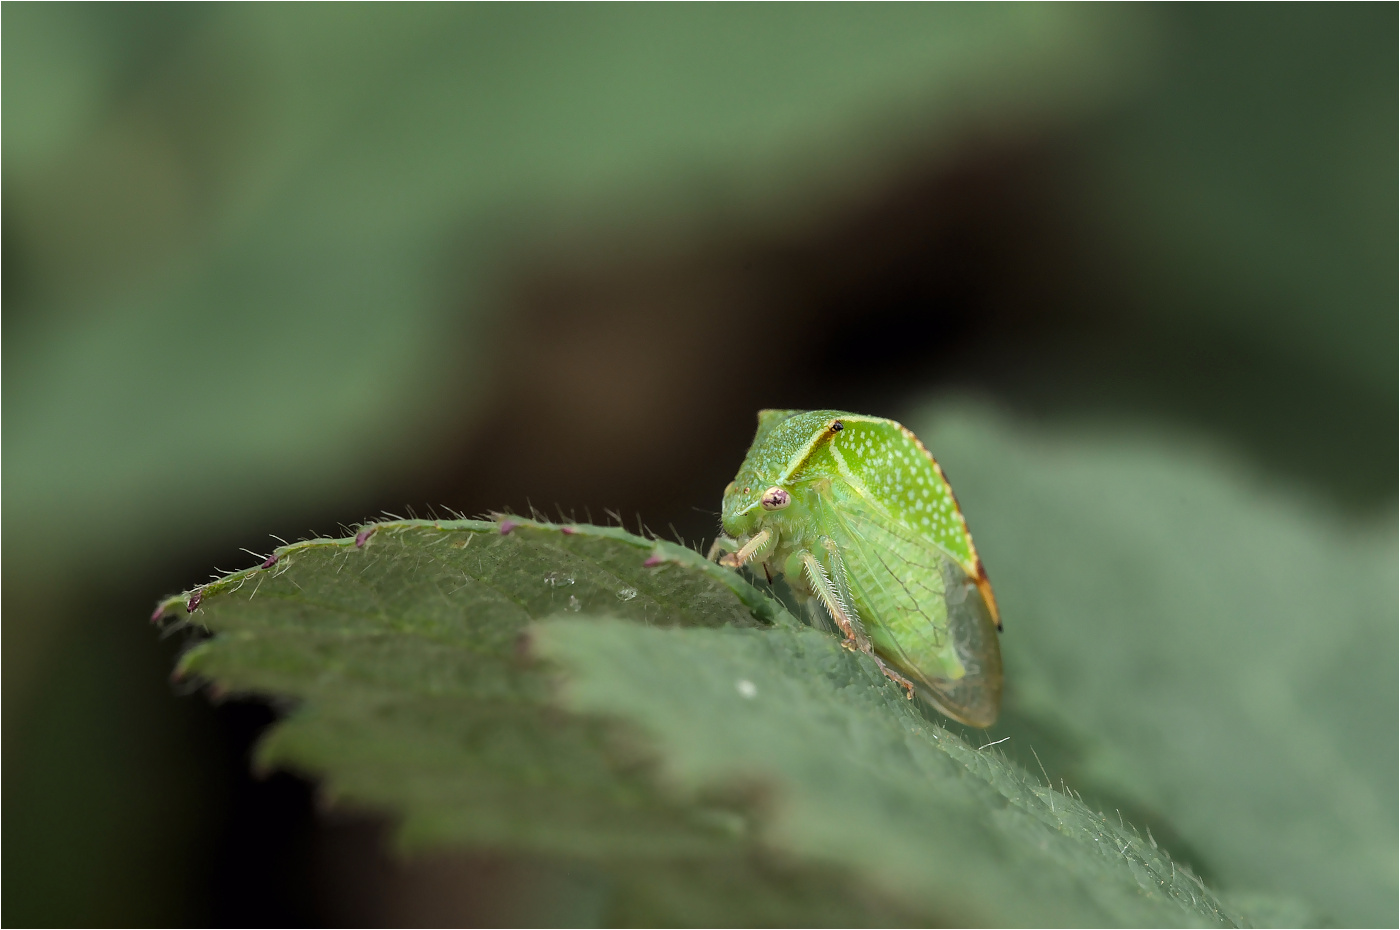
{"type": "Point", "coordinates": [775, 499]}
{"type": "Point", "coordinates": [836, 426]}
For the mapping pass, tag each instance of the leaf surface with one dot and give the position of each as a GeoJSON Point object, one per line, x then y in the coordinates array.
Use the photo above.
{"type": "Point", "coordinates": [581, 694]}
{"type": "Point", "coordinates": [1210, 653]}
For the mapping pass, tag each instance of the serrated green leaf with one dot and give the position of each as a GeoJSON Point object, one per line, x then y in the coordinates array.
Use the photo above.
{"type": "Point", "coordinates": [407, 652]}
{"type": "Point", "coordinates": [412, 658]}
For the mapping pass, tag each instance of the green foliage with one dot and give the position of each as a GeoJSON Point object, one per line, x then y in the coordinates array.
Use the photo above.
{"type": "Point", "coordinates": [229, 195]}
{"type": "Point", "coordinates": [1196, 654]}
{"type": "Point", "coordinates": [1246, 189]}
{"type": "Point", "coordinates": [1210, 654]}
{"type": "Point", "coordinates": [255, 256]}
{"type": "Point", "coordinates": [707, 741]}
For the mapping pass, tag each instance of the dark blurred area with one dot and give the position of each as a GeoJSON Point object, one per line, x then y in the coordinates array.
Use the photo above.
{"type": "Point", "coordinates": [276, 269]}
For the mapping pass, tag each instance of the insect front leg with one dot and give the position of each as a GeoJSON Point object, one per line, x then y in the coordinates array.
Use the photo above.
{"type": "Point", "coordinates": [723, 545]}
{"type": "Point", "coordinates": [760, 541]}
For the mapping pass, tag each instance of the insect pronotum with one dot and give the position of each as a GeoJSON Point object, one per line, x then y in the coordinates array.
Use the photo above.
{"type": "Point", "coordinates": [860, 519]}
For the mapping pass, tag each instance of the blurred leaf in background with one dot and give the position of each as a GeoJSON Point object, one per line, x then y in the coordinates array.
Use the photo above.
{"type": "Point", "coordinates": [1252, 186]}
{"type": "Point", "coordinates": [250, 259]}
{"type": "Point", "coordinates": [1208, 651]}
{"type": "Point", "coordinates": [248, 196]}
{"type": "Point", "coordinates": [268, 268]}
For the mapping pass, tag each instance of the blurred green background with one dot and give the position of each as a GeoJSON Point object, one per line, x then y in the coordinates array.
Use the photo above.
{"type": "Point", "coordinates": [278, 268]}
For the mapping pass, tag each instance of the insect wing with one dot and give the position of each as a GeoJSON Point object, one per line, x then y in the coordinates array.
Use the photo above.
{"type": "Point", "coordinates": [923, 611]}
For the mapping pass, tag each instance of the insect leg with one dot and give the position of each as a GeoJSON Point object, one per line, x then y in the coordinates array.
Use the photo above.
{"type": "Point", "coordinates": [894, 676]}
{"type": "Point", "coordinates": [820, 583]}
{"type": "Point", "coordinates": [837, 567]}
{"type": "Point", "coordinates": [722, 544]}
{"type": "Point", "coordinates": [748, 551]}
{"type": "Point", "coordinates": [843, 591]}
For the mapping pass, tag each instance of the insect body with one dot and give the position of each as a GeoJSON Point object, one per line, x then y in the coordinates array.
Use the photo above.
{"type": "Point", "coordinates": [858, 516]}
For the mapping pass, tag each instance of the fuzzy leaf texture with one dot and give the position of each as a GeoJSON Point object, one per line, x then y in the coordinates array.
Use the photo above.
{"type": "Point", "coordinates": [597, 697]}
{"type": "Point", "coordinates": [1209, 651]}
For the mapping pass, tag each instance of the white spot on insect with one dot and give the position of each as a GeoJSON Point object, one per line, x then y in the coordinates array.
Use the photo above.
{"type": "Point", "coordinates": [746, 688]}
{"type": "Point", "coordinates": [626, 594]}
{"type": "Point", "coordinates": [574, 604]}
